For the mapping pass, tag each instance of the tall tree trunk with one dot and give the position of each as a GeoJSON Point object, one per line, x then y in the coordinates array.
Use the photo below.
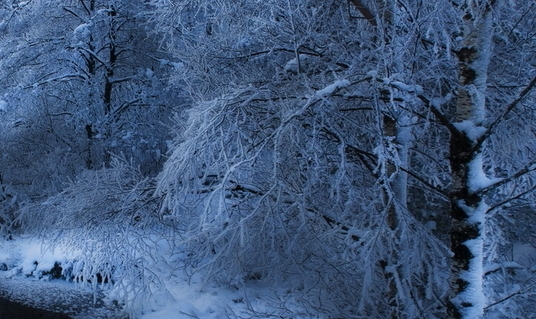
{"type": "Point", "coordinates": [467, 213]}
{"type": "Point", "coordinates": [112, 58]}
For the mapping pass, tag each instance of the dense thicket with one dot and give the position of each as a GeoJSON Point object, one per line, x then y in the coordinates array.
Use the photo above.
{"type": "Point", "coordinates": [365, 153]}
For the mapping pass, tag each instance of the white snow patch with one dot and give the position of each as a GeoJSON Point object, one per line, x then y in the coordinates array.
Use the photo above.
{"type": "Point", "coordinates": [82, 32]}
{"type": "Point", "coordinates": [474, 292]}
{"type": "Point", "coordinates": [477, 178]}
{"type": "Point", "coordinates": [332, 87]}
{"type": "Point", "coordinates": [177, 65]}
{"type": "Point", "coordinates": [199, 299]}
{"type": "Point", "coordinates": [437, 102]}
{"type": "Point", "coordinates": [3, 105]}
{"type": "Point", "coordinates": [470, 129]}
{"type": "Point", "coordinates": [431, 225]}
{"type": "Point", "coordinates": [149, 73]}
{"type": "Point", "coordinates": [413, 88]}
{"type": "Point", "coordinates": [244, 43]}
{"type": "Point", "coordinates": [292, 65]}
{"type": "Point", "coordinates": [184, 296]}
{"type": "Point", "coordinates": [31, 257]}
{"type": "Point", "coordinates": [372, 74]}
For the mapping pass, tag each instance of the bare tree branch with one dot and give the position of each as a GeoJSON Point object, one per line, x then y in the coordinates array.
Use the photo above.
{"type": "Point", "coordinates": [365, 11]}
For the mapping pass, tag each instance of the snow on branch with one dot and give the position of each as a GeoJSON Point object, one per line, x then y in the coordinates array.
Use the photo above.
{"type": "Point", "coordinates": [62, 78]}
{"type": "Point", "coordinates": [472, 131]}
{"type": "Point", "coordinates": [528, 168]}
{"type": "Point", "coordinates": [414, 88]}
{"type": "Point", "coordinates": [337, 85]}
{"type": "Point", "coordinates": [477, 179]}
{"type": "Point", "coordinates": [401, 86]}
{"type": "Point", "coordinates": [493, 126]}
{"type": "Point", "coordinates": [492, 268]}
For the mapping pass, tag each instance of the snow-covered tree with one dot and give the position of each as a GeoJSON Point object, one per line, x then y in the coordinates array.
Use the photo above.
{"type": "Point", "coordinates": [108, 219]}
{"type": "Point", "coordinates": [314, 131]}
{"type": "Point", "coordinates": [80, 81]}
{"type": "Point", "coordinates": [282, 172]}
{"type": "Point", "coordinates": [374, 157]}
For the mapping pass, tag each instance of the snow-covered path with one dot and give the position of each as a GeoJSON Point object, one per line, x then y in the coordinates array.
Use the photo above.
{"type": "Point", "coordinates": [59, 296]}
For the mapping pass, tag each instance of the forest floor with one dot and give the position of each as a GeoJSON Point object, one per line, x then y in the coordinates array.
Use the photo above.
{"type": "Point", "coordinates": [23, 284]}
{"type": "Point", "coordinates": [23, 260]}
{"type": "Point", "coordinates": [54, 296]}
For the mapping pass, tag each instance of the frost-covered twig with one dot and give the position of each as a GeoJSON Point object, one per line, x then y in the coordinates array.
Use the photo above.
{"type": "Point", "coordinates": [527, 169]}
{"type": "Point", "coordinates": [512, 295]}
{"type": "Point", "coordinates": [492, 268]}
{"type": "Point", "coordinates": [493, 126]}
{"type": "Point", "coordinates": [510, 199]}
{"type": "Point", "coordinates": [191, 315]}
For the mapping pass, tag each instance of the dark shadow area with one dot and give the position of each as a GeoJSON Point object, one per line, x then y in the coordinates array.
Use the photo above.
{"type": "Point", "coordinates": [15, 310]}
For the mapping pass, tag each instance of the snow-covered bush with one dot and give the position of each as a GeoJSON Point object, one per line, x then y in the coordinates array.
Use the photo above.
{"type": "Point", "coordinates": [109, 218]}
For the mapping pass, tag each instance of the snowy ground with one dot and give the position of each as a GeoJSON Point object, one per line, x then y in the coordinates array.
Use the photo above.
{"type": "Point", "coordinates": [23, 266]}
{"type": "Point", "coordinates": [23, 262]}
{"type": "Point", "coordinates": [23, 277]}
{"type": "Point", "coordinates": [59, 296]}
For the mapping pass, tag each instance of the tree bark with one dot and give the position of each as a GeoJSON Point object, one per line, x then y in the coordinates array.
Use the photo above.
{"type": "Point", "coordinates": [467, 213]}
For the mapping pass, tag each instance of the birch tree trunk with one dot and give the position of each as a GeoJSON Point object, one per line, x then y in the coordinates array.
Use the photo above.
{"type": "Point", "coordinates": [467, 213]}
{"type": "Point", "coordinates": [395, 187]}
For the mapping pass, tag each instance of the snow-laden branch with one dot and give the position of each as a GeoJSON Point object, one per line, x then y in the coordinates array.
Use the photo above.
{"type": "Point", "coordinates": [417, 177]}
{"type": "Point", "coordinates": [96, 57]}
{"type": "Point", "coordinates": [439, 115]}
{"type": "Point", "coordinates": [510, 199]}
{"type": "Point", "coordinates": [418, 91]}
{"type": "Point", "coordinates": [401, 86]}
{"type": "Point", "coordinates": [493, 126]}
{"type": "Point", "coordinates": [330, 89]}
{"type": "Point", "coordinates": [492, 268]}
{"type": "Point", "coordinates": [516, 293]}
{"type": "Point", "coordinates": [527, 169]}
{"type": "Point", "coordinates": [56, 79]}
